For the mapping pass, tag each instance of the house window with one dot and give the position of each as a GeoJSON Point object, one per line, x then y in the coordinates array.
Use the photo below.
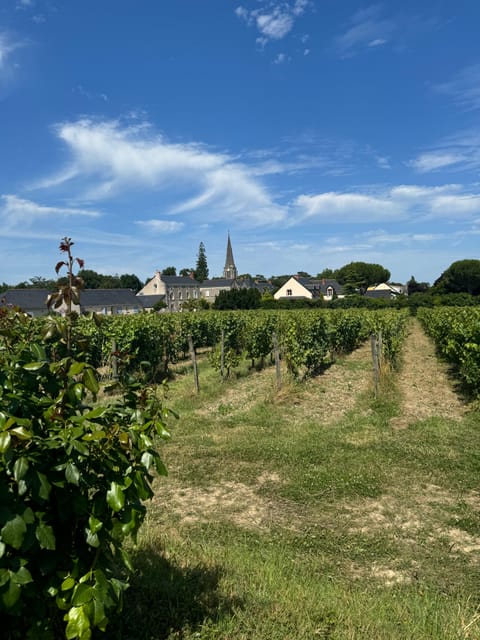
{"type": "Point", "coordinates": [172, 295]}
{"type": "Point", "coordinates": [188, 295]}
{"type": "Point", "coordinates": [180, 295]}
{"type": "Point", "coordinates": [329, 292]}
{"type": "Point", "coordinates": [289, 292]}
{"type": "Point", "coordinates": [195, 294]}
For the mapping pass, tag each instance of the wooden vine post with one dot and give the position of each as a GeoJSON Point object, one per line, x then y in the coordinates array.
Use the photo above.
{"type": "Point", "coordinates": [376, 346]}
{"type": "Point", "coordinates": [276, 354]}
{"type": "Point", "coordinates": [193, 356]}
{"type": "Point", "coordinates": [222, 354]}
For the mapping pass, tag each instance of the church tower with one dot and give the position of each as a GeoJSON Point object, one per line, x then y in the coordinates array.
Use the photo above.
{"type": "Point", "coordinates": [230, 270]}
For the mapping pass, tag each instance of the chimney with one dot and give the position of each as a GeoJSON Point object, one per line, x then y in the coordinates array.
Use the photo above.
{"type": "Point", "coordinates": [192, 275]}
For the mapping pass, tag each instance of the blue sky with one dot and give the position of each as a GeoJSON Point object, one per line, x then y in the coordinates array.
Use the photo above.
{"type": "Point", "coordinates": [317, 132]}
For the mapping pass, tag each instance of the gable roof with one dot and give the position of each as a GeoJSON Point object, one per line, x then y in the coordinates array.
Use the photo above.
{"type": "Point", "coordinates": [319, 285]}
{"type": "Point", "coordinates": [108, 298]}
{"type": "Point", "coordinates": [179, 281]}
{"type": "Point", "coordinates": [26, 299]}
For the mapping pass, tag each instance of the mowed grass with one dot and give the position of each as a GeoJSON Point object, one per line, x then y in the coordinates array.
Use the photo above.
{"type": "Point", "coordinates": [305, 513]}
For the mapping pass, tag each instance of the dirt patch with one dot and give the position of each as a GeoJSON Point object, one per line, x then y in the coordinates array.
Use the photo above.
{"type": "Point", "coordinates": [424, 386]}
{"type": "Point", "coordinates": [393, 513]}
{"type": "Point", "coordinates": [388, 576]}
{"type": "Point", "coordinates": [231, 501]}
{"type": "Point", "coordinates": [329, 396]}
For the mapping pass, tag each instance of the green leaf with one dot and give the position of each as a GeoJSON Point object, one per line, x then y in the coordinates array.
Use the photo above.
{"type": "Point", "coordinates": [14, 531]}
{"type": "Point", "coordinates": [147, 460]}
{"type": "Point", "coordinates": [92, 539]}
{"type": "Point", "coordinates": [115, 497]}
{"type": "Point", "coordinates": [2, 549]}
{"type": "Point", "coordinates": [45, 536]}
{"type": "Point", "coordinates": [76, 368]}
{"type": "Point", "coordinates": [20, 468]}
{"type": "Point", "coordinates": [33, 366]}
{"type": "Point", "coordinates": [160, 467]}
{"type": "Point", "coordinates": [38, 351]}
{"type": "Point", "coordinates": [5, 440]}
{"type": "Point", "coordinates": [67, 584]}
{"type": "Point", "coordinates": [78, 625]}
{"type": "Point", "coordinates": [22, 576]}
{"type": "Point", "coordinates": [94, 524]}
{"type": "Point", "coordinates": [83, 594]}
{"type": "Point", "coordinates": [45, 486]}
{"type": "Point", "coordinates": [90, 381]}
{"type": "Point", "coordinates": [126, 559]}
{"type": "Point", "coordinates": [72, 474]}
{"type": "Point", "coordinates": [98, 412]}
{"type": "Point", "coordinates": [11, 596]}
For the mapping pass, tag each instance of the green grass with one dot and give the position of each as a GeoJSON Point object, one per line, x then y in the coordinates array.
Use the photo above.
{"type": "Point", "coordinates": [342, 529]}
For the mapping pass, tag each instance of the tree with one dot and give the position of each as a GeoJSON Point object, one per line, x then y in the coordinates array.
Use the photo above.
{"type": "Point", "coordinates": [201, 270]}
{"type": "Point", "coordinates": [187, 272]}
{"type": "Point", "coordinates": [416, 287]}
{"type": "Point", "coordinates": [462, 276]}
{"type": "Point", "coordinates": [326, 273]}
{"type": "Point", "coordinates": [130, 281]}
{"type": "Point", "coordinates": [169, 271]}
{"type": "Point", "coordinates": [357, 276]}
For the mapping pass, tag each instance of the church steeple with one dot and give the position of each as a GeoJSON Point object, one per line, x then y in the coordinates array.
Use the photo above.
{"type": "Point", "coordinates": [230, 270]}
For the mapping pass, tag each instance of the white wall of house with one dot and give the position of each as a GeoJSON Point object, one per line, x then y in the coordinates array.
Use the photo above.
{"type": "Point", "coordinates": [292, 289]}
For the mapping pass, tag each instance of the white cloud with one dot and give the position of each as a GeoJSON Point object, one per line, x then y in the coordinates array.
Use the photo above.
{"type": "Point", "coordinates": [274, 20]}
{"type": "Point", "coordinates": [161, 226]}
{"type": "Point", "coordinates": [459, 152]}
{"type": "Point", "coordinates": [349, 207]}
{"type": "Point", "coordinates": [368, 29]}
{"type": "Point", "coordinates": [404, 202]}
{"type": "Point", "coordinates": [464, 88]}
{"type": "Point", "coordinates": [108, 158]}
{"type": "Point", "coordinates": [7, 47]}
{"type": "Point", "coordinates": [280, 58]}
{"type": "Point", "coordinates": [17, 212]}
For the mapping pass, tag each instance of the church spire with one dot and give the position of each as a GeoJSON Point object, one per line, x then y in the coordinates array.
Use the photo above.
{"type": "Point", "coordinates": [230, 270]}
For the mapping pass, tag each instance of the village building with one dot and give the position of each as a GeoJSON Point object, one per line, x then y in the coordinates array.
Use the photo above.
{"type": "Point", "coordinates": [298, 288]}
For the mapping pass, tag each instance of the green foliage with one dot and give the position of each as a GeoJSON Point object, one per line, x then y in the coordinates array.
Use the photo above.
{"type": "Point", "coordinates": [74, 475]}
{"type": "Point", "coordinates": [456, 332]}
{"type": "Point", "coordinates": [201, 269]}
{"type": "Point", "coordinates": [462, 276]}
{"type": "Point", "coordinates": [238, 299]}
{"type": "Point", "coordinates": [170, 271]}
{"type": "Point", "coordinates": [360, 275]}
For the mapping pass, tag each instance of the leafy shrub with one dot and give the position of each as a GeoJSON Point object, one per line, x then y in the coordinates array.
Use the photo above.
{"type": "Point", "coordinates": [74, 475]}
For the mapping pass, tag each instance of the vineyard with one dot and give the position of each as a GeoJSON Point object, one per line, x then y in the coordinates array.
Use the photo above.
{"type": "Point", "coordinates": [306, 340]}
{"type": "Point", "coordinates": [248, 473]}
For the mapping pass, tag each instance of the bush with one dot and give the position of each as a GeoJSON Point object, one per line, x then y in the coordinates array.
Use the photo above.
{"type": "Point", "coordinates": [74, 475]}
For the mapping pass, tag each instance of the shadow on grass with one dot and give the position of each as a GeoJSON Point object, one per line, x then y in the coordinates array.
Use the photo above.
{"type": "Point", "coordinates": [168, 601]}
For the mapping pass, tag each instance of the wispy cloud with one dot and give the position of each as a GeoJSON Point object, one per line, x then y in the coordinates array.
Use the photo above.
{"type": "Point", "coordinates": [373, 28]}
{"type": "Point", "coordinates": [367, 29]}
{"type": "Point", "coordinates": [161, 226]}
{"type": "Point", "coordinates": [7, 46]}
{"type": "Point", "coordinates": [464, 88]}
{"type": "Point", "coordinates": [17, 212]}
{"type": "Point", "coordinates": [404, 202]}
{"type": "Point", "coordinates": [459, 152]}
{"type": "Point", "coordinates": [273, 20]}
{"type": "Point", "coordinates": [108, 158]}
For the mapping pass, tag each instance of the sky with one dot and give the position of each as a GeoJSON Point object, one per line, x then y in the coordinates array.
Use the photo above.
{"type": "Point", "coordinates": [315, 132]}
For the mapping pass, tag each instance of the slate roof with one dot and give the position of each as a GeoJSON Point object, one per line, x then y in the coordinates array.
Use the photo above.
{"type": "Point", "coordinates": [216, 282]}
{"type": "Point", "coordinates": [108, 298]}
{"type": "Point", "coordinates": [317, 286]}
{"type": "Point", "coordinates": [179, 281]}
{"type": "Point", "coordinates": [148, 302]}
{"type": "Point", "coordinates": [26, 299]}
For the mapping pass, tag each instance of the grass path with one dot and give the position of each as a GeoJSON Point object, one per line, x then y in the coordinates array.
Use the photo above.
{"type": "Point", "coordinates": [316, 511]}
{"type": "Point", "coordinates": [423, 383]}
